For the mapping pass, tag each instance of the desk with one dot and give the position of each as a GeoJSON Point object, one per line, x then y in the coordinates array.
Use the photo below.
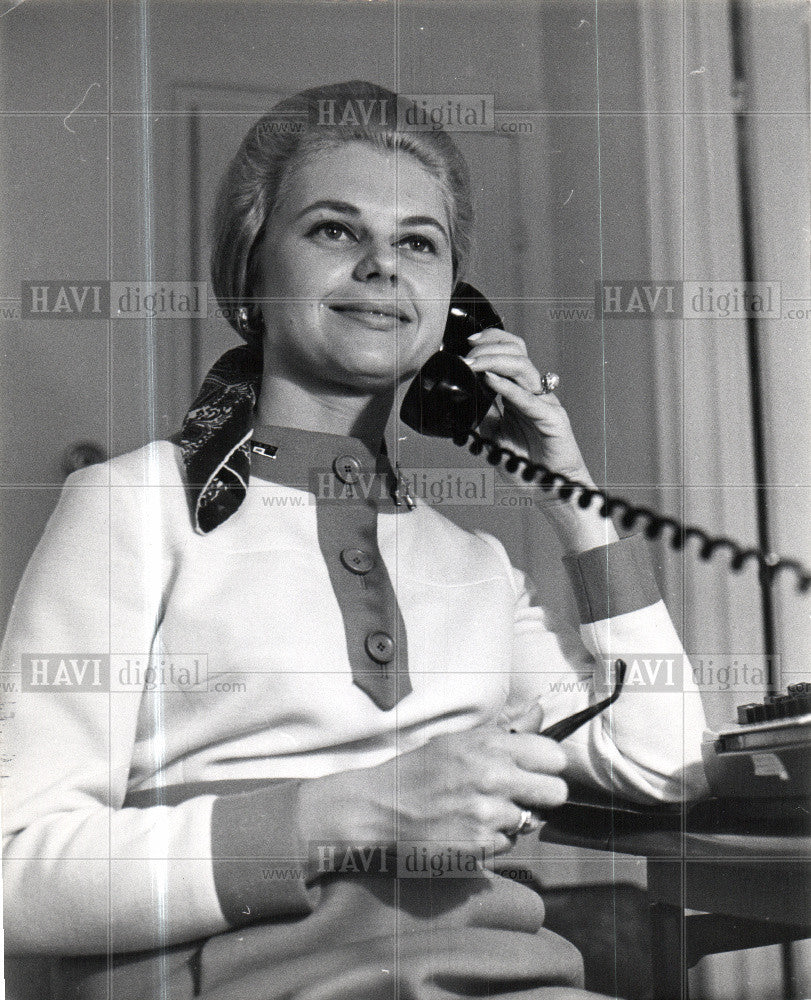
{"type": "Point", "coordinates": [748, 876]}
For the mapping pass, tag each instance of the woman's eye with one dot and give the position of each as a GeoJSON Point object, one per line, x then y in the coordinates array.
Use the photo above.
{"type": "Point", "coordinates": [421, 244]}
{"type": "Point", "coordinates": [332, 231]}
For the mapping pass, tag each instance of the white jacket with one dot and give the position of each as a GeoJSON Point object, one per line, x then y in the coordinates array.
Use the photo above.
{"type": "Point", "coordinates": [250, 614]}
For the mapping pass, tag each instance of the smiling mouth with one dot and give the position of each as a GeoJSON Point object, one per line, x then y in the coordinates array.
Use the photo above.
{"type": "Point", "coordinates": [378, 312]}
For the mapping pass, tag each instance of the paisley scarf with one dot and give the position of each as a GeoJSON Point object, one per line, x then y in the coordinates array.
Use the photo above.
{"type": "Point", "coordinates": [216, 434]}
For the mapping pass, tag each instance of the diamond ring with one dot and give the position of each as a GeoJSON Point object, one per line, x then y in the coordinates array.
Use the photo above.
{"type": "Point", "coordinates": [549, 382]}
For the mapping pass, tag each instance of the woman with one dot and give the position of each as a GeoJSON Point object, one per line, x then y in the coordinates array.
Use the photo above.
{"type": "Point", "coordinates": [325, 675]}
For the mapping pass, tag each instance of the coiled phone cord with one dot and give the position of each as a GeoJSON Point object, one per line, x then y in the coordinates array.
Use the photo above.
{"type": "Point", "coordinates": [769, 563]}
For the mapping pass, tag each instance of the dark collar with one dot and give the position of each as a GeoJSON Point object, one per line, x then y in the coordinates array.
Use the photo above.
{"type": "Point", "coordinates": [221, 446]}
{"type": "Point", "coordinates": [300, 458]}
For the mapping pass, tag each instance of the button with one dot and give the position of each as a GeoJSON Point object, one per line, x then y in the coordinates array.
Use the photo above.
{"type": "Point", "coordinates": [357, 561]}
{"type": "Point", "coordinates": [347, 468]}
{"type": "Point", "coordinates": [380, 646]}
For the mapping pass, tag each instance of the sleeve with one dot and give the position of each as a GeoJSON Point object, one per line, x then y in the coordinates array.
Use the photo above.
{"type": "Point", "coordinates": [647, 745]}
{"type": "Point", "coordinates": [83, 873]}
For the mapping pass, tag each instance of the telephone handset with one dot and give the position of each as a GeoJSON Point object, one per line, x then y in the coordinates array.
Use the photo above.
{"type": "Point", "coordinates": [447, 397]}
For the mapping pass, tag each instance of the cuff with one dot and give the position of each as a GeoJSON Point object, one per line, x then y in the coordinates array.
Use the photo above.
{"type": "Point", "coordinates": [612, 579]}
{"type": "Point", "coordinates": [259, 856]}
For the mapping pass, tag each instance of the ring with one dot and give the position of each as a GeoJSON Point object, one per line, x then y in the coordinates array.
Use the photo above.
{"type": "Point", "coordinates": [549, 382]}
{"type": "Point", "coordinates": [527, 823]}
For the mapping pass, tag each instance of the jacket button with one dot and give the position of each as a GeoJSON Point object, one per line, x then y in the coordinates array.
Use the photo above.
{"type": "Point", "coordinates": [357, 561]}
{"type": "Point", "coordinates": [380, 646]}
{"type": "Point", "coordinates": [347, 468]}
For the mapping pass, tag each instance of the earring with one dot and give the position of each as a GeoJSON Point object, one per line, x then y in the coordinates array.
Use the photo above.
{"type": "Point", "coordinates": [250, 322]}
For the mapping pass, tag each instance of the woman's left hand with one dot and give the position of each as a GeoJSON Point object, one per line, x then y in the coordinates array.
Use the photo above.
{"type": "Point", "coordinates": [532, 423]}
{"type": "Point", "coordinates": [535, 425]}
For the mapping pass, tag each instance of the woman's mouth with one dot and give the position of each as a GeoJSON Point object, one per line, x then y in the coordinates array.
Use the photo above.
{"type": "Point", "coordinates": [374, 315]}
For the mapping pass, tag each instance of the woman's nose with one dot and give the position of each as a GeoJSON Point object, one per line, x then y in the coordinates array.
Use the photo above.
{"type": "Point", "coordinates": [378, 261]}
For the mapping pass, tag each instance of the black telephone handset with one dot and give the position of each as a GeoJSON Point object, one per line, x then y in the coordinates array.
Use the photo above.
{"type": "Point", "coordinates": [447, 397]}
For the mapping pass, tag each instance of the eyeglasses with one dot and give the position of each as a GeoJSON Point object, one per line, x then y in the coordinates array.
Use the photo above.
{"type": "Point", "coordinates": [560, 730]}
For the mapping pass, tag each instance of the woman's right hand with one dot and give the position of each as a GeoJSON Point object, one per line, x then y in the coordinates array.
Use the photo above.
{"type": "Point", "coordinates": [467, 787]}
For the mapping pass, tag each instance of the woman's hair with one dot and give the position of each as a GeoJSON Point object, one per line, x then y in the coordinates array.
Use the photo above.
{"type": "Point", "coordinates": [313, 120]}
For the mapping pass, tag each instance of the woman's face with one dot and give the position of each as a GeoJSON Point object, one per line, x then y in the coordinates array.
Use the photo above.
{"type": "Point", "coordinates": [356, 269]}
